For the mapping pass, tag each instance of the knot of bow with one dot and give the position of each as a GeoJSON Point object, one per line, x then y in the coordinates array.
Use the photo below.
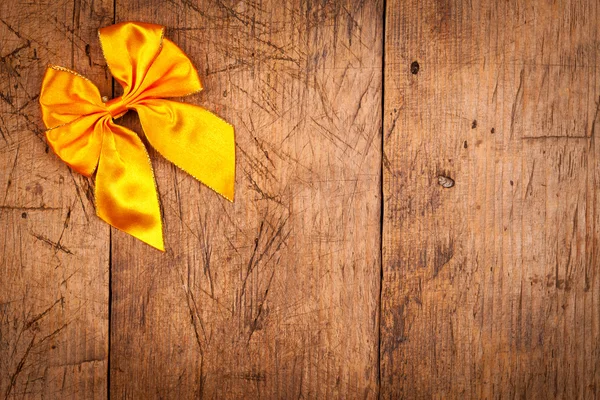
{"type": "Point", "coordinates": [81, 130]}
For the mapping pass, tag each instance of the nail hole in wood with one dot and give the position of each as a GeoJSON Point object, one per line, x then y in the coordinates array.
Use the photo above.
{"type": "Point", "coordinates": [414, 67]}
{"type": "Point", "coordinates": [445, 182]}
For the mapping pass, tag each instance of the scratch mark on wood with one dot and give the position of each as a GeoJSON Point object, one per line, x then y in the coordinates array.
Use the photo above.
{"type": "Point", "coordinates": [517, 102]}
{"type": "Point", "coordinates": [77, 191]}
{"type": "Point", "coordinates": [529, 189]}
{"type": "Point", "coordinates": [54, 245]}
{"type": "Point", "coordinates": [42, 314]}
{"type": "Point", "coordinates": [24, 208]}
{"type": "Point", "coordinates": [11, 175]}
{"type": "Point", "coordinates": [15, 375]}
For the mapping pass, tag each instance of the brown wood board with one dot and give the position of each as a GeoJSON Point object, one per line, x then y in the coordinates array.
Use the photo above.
{"type": "Point", "coordinates": [490, 287]}
{"type": "Point", "coordinates": [54, 261]}
{"type": "Point", "coordinates": [275, 295]}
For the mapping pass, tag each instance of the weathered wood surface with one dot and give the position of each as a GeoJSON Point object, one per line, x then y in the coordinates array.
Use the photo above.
{"type": "Point", "coordinates": [275, 295]}
{"type": "Point", "coordinates": [491, 287]}
{"type": "Point", "coordinates": [54, 251]}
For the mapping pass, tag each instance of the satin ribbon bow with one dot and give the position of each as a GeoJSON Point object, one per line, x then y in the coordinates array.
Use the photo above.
{"type": "Point", "coordinates": [81, 130]}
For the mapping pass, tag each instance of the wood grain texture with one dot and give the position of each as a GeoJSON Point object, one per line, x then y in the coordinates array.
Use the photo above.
{"type": "Point", "coordinates": [54, 251]}
{"type": "Point", "coordinates": [276, 295]}
{"type": "Point", "coordinates": [491, 238]}
{"type": "Point", "coordinates": [491, 287]}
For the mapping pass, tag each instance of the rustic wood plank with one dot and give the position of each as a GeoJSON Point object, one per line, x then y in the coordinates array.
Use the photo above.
{"type": "Point", "coordinates": [54, 251]}
{"type": "Point", "coordinates": [277, 294]}
{"type": "Point", "coordinates": [491, 287]}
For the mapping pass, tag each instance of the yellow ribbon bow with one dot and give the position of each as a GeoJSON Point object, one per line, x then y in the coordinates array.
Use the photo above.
{"type": "Point", "coordinates": [82, 133]}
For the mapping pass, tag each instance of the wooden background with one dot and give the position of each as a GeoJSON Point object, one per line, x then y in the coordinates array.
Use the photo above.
{"type": "Point", "coordinates": [344, 269]}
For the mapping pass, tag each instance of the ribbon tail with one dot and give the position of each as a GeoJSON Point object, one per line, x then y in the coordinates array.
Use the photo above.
{"type": "Point", "coordinates": [194, 139]}
{"type": "Point", "coordinates": [126, 195]}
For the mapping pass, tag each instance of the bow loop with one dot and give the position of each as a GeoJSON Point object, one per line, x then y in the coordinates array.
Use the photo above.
{"type": "Point", "coordinates": [130, 50]}
{"type": "Point", "coordinates": [71, 109]}
{"type": "Point", "coordinates": [146, 64]}
{"type": "Point", "coordinates": [67, 96]}
{"type": "Point", "coordinates": [82, 133]}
